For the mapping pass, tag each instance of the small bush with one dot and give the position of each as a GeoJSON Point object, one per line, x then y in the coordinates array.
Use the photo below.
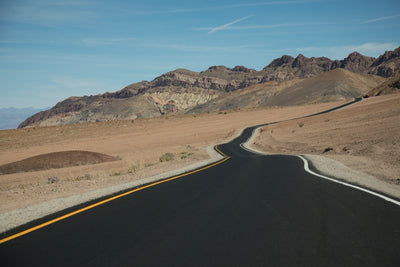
{"type": "Point", "coordinates": [186, 155]}
{"type": "Point", "coordinates": [52, 180]}
{"type": "Point", "coordinates": [167, 157]}
{"type": "Point", "coordinates": [135, 166]}
{"type": "Point", "coordinates": [84, 177]}
{"type": "Point", "coordinates": [301, 124]}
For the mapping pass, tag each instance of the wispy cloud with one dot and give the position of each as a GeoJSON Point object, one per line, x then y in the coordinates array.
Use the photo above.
{"type": "Point", "coordinates": [47, 13]}
{"type": "Point", "coordinates": [266, 26]}
{"type": "Point", "coordinates": [194, 48]}
{"type": "Point", "coordinates": [380, 19]}
{"type": "Point", "coordinates": [74, 83]}
{"type": "Point", "coordinates": [199, 9]}
{"type": "Point", "coordinates": [222, 27]}
{"type": "Point", "coordinates": [107, 41]}
{"type": "Point", "coordinates": [272, 3]}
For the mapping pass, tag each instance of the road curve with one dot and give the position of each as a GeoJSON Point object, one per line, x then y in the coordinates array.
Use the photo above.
{"type": "Point", "coordinates": [248, 209]}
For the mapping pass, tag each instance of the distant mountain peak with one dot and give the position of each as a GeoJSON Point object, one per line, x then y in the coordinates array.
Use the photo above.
{"type": "Point", "coordinates": [285, 59]}
{"type": "Point", "coordinates": [300, 61]}
{"type": "Point", "coordinates": [218, 68]}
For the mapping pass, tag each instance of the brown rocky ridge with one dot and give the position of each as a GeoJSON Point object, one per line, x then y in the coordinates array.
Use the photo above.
{"type": "Point", "coordinates": [183, 91]}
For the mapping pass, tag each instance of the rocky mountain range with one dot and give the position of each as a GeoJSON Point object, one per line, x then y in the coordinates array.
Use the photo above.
{"type": "Point", "coordinates": [285, 81]}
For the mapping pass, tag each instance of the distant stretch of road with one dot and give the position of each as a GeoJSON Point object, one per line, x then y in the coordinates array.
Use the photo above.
{"type": "Point", "coordinates": [247, 210]}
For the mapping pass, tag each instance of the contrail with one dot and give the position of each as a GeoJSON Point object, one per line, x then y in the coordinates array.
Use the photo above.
{"type": "Point", "coordinates": [228, 24]}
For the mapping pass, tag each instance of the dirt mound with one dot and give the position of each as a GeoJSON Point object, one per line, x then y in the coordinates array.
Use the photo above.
{"type": "Point", "coordinates": [55, 160]}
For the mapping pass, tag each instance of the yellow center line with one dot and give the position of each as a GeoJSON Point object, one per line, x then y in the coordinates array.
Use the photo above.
{"type": "Point", "coordinates": [110, 199]}
{"type": "Point", "coordinates": [219, 151]}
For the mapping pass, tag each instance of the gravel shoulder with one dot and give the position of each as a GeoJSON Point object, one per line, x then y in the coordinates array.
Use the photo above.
{"type": "Point", "coordinates": [337, 170]}
{"type": "Point", "coordinates": [15, 218]}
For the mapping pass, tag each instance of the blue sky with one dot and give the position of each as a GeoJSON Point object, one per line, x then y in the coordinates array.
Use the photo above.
{"type": "Point", "coordinates": [50, 50]}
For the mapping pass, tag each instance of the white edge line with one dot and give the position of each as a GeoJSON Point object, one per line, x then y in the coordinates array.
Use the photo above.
{"type": "Point", "coordinates": [346, 184]}
{"type": "Point", "coordinates": [245, 146]}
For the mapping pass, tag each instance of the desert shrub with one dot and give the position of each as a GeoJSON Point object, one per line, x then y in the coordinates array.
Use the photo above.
{"type": "Point", "coordinates": [167, 157]}
{"type": "Point", "coordinates": [136, 166]}
{"type": "Point", "coordinates": [84, 177]}
{"type": "Point", "coordinates": [185, 155]}
{"type": "Point", "coordinates": [301, 124]}
{"type": "Point", "coordinates": [52, 180]}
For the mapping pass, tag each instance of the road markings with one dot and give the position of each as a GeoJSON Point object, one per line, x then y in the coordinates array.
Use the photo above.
{"type": "Point", "coordinates": [222, 153]}
{"type": "Point", "coordinates": [112, 198]}
{"type": "Point", "coordinates": [306, 167]}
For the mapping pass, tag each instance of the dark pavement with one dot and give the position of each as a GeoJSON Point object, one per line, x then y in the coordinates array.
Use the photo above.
{"type": "Point", "coordinates": [250, 210]}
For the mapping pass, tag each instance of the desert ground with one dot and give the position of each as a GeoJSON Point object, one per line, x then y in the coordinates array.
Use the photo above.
{"type": "Point", "coordinates": [364, 136]}
{"type": "Point", "coordinates": [138, 146]}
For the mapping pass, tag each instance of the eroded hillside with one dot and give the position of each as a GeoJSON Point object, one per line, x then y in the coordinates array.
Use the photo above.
{"type": "Point", "coordinates": [285, 81]}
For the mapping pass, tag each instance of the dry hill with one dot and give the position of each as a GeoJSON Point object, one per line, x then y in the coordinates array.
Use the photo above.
{"type": "Point", "coordinates": [392, 85]}
{"type": "Point", "coordinates": [335, 85]}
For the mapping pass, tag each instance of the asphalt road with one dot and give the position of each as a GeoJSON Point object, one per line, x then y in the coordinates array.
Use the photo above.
{"type": "Point", "coordinates": [250, 210]}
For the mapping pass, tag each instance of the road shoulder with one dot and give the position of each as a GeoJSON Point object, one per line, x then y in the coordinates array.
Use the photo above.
{"type": "Point", "coordinates": [337, 170]}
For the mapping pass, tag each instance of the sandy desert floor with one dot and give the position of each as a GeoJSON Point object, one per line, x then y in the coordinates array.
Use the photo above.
{"type": "Point", "coordinates": [138, 145]}
{"type": "Point", "coordinates": [364, 137]}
